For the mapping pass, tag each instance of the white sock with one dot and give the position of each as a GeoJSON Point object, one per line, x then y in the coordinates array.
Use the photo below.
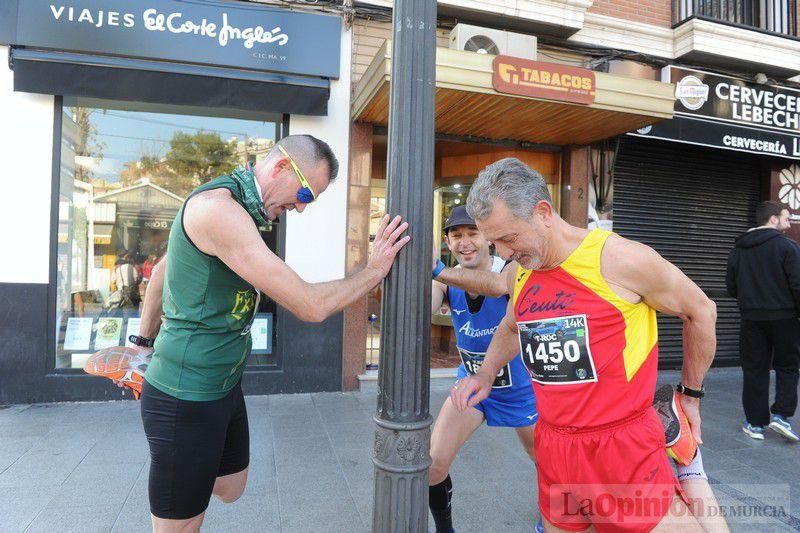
{"type": "Point", "coordinates": [694, 470]}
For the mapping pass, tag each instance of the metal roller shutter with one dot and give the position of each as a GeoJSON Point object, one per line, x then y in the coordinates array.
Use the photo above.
{"type": "Point", "coordinates": [689, 203]}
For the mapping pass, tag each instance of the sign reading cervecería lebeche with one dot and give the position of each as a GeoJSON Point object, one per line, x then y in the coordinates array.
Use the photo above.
{"type": "Point", "coordinates": [730, 113]}
{"type": "Point", "coordinates": [206, 32]}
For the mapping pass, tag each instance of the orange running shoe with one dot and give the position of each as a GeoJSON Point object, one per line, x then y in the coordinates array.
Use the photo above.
{"type": "Point", "coordinates": [681, 444]}
{"type": "Point", "coordinates": [120, 363]}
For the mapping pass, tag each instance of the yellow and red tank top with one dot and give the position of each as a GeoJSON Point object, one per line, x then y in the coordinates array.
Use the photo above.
{"type": "Point", "coordinates": [593, 356]}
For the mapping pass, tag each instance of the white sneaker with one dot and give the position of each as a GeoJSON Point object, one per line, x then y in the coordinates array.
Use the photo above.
{"type": "Point", "coordinates": [782, 427]}
{"type": "Point", "coordinates": [754, 432]}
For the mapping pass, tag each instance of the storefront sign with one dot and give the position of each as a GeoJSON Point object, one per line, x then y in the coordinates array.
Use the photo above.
{"type": "Point", "coordinates": [729, 113]}
{"type": "Point", "coordinates": [725, 99]}
{"type": "Point", "coordinates": [725, 136]}
{"type": "Point", "coordinates": [204, 31]}
{"type": "Point", "coordinates": [536, 79]}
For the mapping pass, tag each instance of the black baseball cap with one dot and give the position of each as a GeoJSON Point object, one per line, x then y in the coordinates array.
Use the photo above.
{"type": "Point", "coordinates": [458, 217]}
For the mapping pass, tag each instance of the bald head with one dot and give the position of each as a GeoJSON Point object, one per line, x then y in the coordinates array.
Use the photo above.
{"type": "Point", "coordinates": [308, 152]}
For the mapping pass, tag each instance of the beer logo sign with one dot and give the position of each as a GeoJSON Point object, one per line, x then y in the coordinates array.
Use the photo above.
{"type": "Point", "coordinates": [692, 92]}
{"type": "Point", "coordinates": [537, 79]}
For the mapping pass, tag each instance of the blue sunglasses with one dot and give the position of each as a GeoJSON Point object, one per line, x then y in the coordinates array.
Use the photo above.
{"type": "Point", "coordinates": [304, 194]}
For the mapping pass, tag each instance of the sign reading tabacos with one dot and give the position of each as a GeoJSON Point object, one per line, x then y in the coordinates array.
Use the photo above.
{"type": "Point", "coordinates": [537, 79]}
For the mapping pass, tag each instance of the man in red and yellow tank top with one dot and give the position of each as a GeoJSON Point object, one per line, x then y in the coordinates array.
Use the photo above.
{"type": "Point", "coordinates": [584, 317]}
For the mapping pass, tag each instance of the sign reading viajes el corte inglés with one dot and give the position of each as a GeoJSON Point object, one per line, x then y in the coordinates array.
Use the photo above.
{"type": "Point", "coordinates": [537, 79]}
{"type": "Point", "coordinates": [207, 32]}
{"type": "Point", "coordinates": [730, 113]}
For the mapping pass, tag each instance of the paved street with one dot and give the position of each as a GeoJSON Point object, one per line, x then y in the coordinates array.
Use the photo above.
{"type": "Point", "coordinates": [83, 467]}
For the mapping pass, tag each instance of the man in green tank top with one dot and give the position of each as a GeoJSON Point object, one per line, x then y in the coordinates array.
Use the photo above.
{"type": "Point", "coordinates": [207, 290]}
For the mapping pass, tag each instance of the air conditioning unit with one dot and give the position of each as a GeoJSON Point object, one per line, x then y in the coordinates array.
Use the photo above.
{"type": "Point", "coordinates": [494, 42]}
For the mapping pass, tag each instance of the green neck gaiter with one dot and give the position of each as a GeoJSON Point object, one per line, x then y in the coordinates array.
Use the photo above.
{"type": "Point", "coordinates": [250, 198]}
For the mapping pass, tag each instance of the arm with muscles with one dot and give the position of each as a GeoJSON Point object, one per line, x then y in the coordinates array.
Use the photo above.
{"type": "Point", "coordinates": [238, 244]}
{"type": "Point", "coordinates": [638, 268]}
{"type": "Point", "coordinates": [474, 281]}
{"type": "Point", "coordinates": [151, 309]}
{"type": "Point", "coordinates": [504, 347]}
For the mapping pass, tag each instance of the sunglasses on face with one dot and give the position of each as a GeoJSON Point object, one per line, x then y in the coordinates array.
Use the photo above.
{"type": "Point", "coordinates": [304, 194]}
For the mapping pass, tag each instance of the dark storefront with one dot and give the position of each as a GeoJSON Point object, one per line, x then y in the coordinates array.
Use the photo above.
{"type": "Point", "coordinates": [690, 185]}
{"type": "Point", "coordinates": [150, 103]}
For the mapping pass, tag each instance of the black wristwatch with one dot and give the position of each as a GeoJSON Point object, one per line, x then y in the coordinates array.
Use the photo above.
{"type": "Point", "coordinates": [144, 342]}
{"type": "Point", "coordinates": [692, 393]}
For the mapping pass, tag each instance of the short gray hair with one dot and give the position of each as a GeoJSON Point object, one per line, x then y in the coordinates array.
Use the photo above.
{"type": "Point", "coordinates": [512, 181]}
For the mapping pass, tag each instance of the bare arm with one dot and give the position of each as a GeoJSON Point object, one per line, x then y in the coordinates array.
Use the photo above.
{"type": "Point", "coordinates": [503, 348]}
{"type": "Point", "coordinates": [438, 293]}
{"type": "Point", "coordinates": [638, 268]}
{"type": "Point", "coordinates": [238, 244]}
{"type": "Point", "coordinates": [477, 281]}
{"type": "Point", "coordinates": [151, 308]}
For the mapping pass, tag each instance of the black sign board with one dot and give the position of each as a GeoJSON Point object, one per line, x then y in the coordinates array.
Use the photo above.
{"type": "Point", "coordinates": [725, 136]}
{"type": "Point", "coordinates": [207, 32]}
{"type": "Point", "coordinates": [729, 113]}
{"type": "Point", "coordinates": [725, 99]}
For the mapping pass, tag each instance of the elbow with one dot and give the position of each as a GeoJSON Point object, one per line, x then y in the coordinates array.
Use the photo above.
{"type": "Point", "coordinates": [314, 316]}
{"type": "Point", "coordinates": [308, 313]}
{"type": "Point", "coordinates": [499, 290]}
{"type": "Point", "coordinates": [307, 310]}
{"type": "Point", "coordinates": [711, 310]}
{"type": "Point", "coordinates": [706, 313]}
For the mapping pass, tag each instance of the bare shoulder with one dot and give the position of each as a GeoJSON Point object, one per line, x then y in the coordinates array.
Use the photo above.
{"type": "Point", "coordinates": [210, 206]}
{"type": "Point", "coordinates": [630, 267]}
{"type": "Point", "coordinates": [203, 213]}
{"type": "Point", "coordinates": [621, 255]}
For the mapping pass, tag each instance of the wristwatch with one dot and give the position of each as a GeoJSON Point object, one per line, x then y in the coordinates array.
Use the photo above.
{"type": "Point", "coordinates": [692, 393]}
{"type": "Point", "coordinates": [144, 342]}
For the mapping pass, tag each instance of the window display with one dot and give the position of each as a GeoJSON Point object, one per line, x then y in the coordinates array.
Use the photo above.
{"type": "Point", "coordinates": [126, 169]}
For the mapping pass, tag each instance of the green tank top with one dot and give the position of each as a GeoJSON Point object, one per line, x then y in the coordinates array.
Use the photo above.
{"type": "Point", "coordinates": [202, 346]}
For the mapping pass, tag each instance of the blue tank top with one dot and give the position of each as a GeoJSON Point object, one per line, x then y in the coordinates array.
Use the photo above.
{"type": "Point", "coordinates": [474, 332]}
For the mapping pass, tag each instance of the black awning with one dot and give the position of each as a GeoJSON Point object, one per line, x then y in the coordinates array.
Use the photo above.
{"type": "Point", "coordinates": [67, 74]}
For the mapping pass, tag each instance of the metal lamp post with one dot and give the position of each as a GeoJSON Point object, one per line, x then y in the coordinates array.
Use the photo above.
{"type": "Point", "coordinates": [402, 436]}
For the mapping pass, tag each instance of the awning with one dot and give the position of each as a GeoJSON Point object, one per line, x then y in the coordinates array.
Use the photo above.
{"type": "Point", "coordinates": [70, 74]}
{"type": "Point", "coordinates": [468, 105]}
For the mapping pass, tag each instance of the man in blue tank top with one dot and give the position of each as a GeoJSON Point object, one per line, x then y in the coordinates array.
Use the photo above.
{"type": "Point", "coordinates": [475, 319]}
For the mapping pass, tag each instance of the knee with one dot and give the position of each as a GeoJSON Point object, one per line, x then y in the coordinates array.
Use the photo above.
{"type": "Point", "coordinates": [438, 470]}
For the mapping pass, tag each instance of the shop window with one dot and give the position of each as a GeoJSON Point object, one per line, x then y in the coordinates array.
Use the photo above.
{"type": "Point", "coordinates": [126, 168]}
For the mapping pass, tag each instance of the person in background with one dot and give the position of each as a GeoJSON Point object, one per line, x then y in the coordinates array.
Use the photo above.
{"type": "Point", "coordinates": [764, 277]}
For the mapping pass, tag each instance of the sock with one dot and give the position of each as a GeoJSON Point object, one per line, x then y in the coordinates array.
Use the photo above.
{"type": "Point", "coordinates": [694, 470]}
{"type": "Point", "coordinates": [439, 497]}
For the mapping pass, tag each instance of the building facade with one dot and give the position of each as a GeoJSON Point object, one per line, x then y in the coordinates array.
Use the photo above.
{"type": "Point", "coordinates": [114, 112]}
{"type": "Point", "coordinates": [686, 184]}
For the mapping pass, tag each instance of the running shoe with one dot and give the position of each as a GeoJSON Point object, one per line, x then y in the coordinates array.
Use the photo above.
{"type": "Point", "coordinates": [681, 444]}
{"type": "Point", "coordinates": [782, 427]}
{"type": "Point", "coordinates": [754, 432]}
{"type": "Point", "coordinates": [122, 364]}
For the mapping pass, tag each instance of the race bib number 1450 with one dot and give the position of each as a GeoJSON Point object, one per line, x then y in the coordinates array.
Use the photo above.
{"type": "Point", "coordinates": [556, 350]}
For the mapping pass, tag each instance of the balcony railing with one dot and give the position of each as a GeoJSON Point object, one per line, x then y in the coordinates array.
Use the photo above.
{"type": "Point", "coordinates": [776, 16]}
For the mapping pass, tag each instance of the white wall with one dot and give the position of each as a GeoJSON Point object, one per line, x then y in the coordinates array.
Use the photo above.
{"type": "Point", "coordinates": [316, 239]}
{"type": "Point", "coordinates": [26, 152]}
